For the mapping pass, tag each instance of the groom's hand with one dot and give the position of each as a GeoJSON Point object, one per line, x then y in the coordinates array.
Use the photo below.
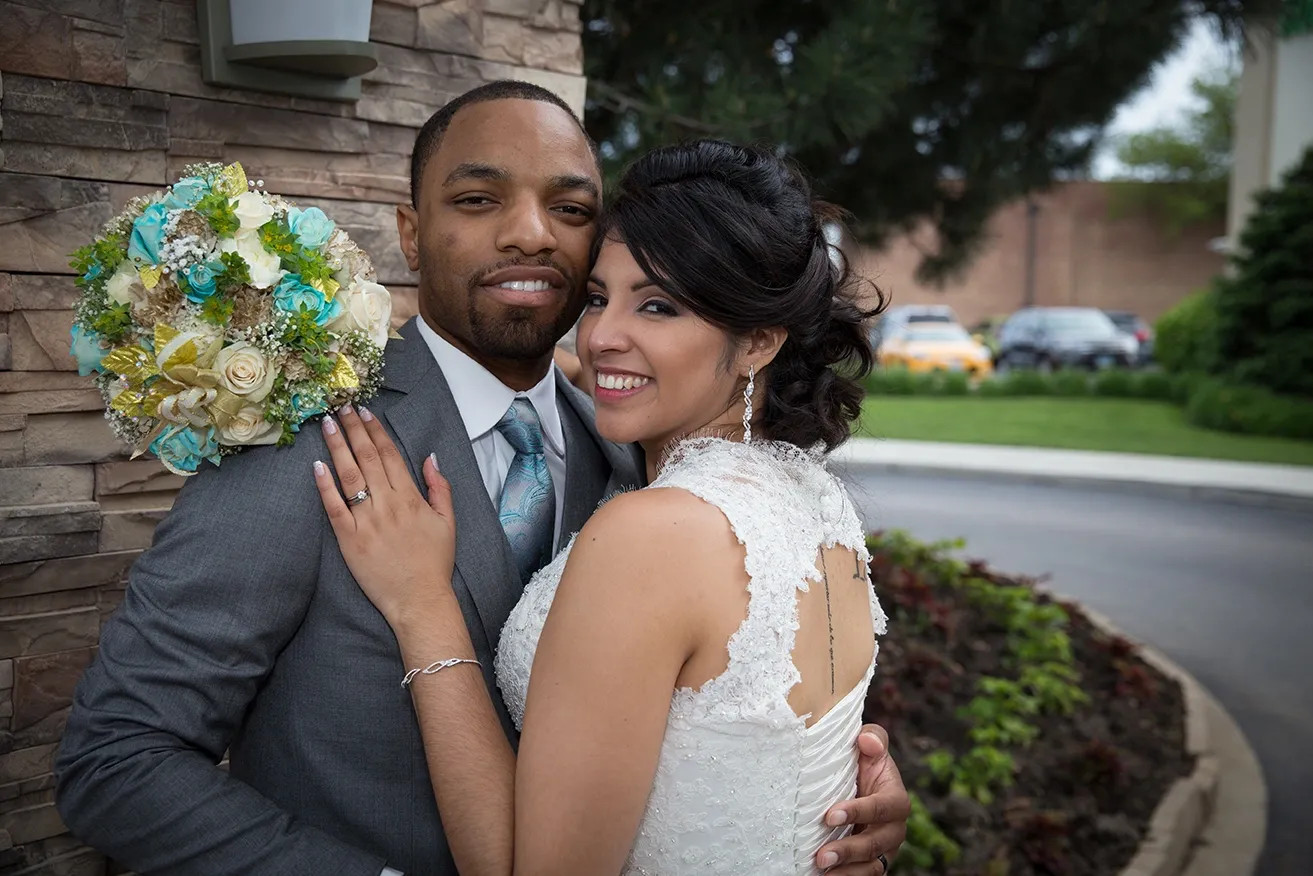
{"type": "Point", "coordinates": [878, 814]}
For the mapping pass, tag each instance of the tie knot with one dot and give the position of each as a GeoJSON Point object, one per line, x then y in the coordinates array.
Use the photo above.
{"type": "Point", "coordinates": [521, 427]}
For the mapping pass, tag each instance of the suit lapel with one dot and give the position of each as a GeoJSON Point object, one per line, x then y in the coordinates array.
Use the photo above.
{"type": "Point", "coordinates": [428, 421]}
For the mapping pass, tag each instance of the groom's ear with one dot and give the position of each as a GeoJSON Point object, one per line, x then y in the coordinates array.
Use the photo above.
{"type": "Point", "coordinates": [408, 232]}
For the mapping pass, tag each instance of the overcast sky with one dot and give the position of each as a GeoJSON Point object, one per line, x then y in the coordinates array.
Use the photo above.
{"type": "Point", "coordinates": [1161, 101]}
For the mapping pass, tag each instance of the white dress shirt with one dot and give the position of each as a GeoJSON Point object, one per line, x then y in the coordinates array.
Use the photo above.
{"type": "Point", "coordinates": [483, 400]}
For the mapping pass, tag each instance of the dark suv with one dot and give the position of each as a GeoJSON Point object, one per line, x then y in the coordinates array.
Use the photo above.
{"type": "Point", "coordinates": [1062, 337]}
{"type": "Point", "coordinates": [1137, 328]}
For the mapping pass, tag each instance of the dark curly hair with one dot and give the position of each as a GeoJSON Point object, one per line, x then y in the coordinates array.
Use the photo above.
{"type": "Point", "coordinates": [733, 233]}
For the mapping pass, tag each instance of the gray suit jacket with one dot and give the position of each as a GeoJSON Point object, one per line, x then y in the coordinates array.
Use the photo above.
{"type": "Point", "coordinates": [242, 629]}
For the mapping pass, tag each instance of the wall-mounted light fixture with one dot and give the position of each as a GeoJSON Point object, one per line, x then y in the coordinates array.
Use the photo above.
{"type": "Point", "coordinates": [308, 48]}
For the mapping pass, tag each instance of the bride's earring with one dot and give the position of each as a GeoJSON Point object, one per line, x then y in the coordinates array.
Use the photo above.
{"type": "Point", "coordinates": [747, 404]}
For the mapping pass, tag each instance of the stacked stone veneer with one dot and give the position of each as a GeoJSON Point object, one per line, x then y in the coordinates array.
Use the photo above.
{"type": "Point", "coordinates": [101, 100]}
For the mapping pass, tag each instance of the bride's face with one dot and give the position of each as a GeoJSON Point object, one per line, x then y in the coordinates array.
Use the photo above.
{"type": "Point", "coordinates": [658, 370]}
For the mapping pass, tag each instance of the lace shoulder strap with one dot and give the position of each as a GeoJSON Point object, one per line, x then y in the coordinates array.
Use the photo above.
{"type": "Point", "coordinates": [783, 507]}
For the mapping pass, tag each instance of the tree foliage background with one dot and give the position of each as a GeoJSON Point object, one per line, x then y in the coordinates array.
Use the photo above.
{"type": "Point", "coordinates": [1181, 174]}
{"type": "Point", "coordinates": [900, 110]}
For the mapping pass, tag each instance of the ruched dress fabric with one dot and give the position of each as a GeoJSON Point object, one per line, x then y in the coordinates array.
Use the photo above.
{"type": "Point", "coordinates": [742, 783]}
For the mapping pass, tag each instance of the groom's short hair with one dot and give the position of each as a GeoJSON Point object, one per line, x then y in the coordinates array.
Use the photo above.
{"type": "Point", "coordinates": [430, 136]}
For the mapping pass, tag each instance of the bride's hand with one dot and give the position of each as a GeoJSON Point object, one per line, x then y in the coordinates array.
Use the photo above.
{"type": "Point", "coordinates": [399, 547]}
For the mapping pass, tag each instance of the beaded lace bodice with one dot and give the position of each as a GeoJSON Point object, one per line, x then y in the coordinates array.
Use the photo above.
{"type": "Point", "coordinates": [742, 784]}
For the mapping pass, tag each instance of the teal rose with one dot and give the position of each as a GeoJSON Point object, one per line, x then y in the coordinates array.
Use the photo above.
{"type": "Point", "coordinates": [185, 449]}
{"type": "Point", "coordinates": [292, 295]}
{"type": "Point", "coordinates": [186, 193]}
{"type": "Point", "coordinates": [311, 227]}
{"type": "Point", "coordinates": [304, 407]}
{"type": "Point", "coordinates": [202, 280]}
{"type": "Point", "coordinates": [86, 349]}
{"type": "Point", "coordinates": [147, 234]}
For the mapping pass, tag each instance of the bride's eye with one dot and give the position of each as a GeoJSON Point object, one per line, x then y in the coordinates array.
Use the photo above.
{"type": "Point", "coordinates": [595, 299]}
{"type": "Point", "coordinates": [658, 307]}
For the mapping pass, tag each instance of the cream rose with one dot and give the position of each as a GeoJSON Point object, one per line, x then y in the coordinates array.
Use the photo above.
{"type": "Point", "coordinates": [251, 210]}
{"type": "Point", "coordinates": [250, 428]}
{"type": "Point", "coordinates": [264, 266]}
{"type": "Point", "coordinates": [245, 371]}
{"type": "Point", "coordinates": [125, 287]}
{"type": "Point", "coordinates": [366, 306]}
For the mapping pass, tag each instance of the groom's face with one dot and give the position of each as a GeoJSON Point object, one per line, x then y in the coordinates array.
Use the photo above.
{"type": "Point", "coordinates": [502, 230]}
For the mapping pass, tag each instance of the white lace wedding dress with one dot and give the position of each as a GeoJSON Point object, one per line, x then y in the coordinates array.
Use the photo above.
{"type": "Point", "coordinates": [742, 784]}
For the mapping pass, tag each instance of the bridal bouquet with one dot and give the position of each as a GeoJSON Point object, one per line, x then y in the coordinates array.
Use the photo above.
{"type": "Point", "coordinates": [218, 316]}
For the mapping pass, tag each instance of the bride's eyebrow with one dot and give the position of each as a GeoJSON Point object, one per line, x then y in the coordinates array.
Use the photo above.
{"type": "Point", "coordinates": [639, 285]}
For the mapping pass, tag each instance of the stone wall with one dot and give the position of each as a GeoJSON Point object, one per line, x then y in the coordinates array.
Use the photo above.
{"type": "Point", "coordinates": [101, 100]}
{"type": "Point", "coordinates": [1085, 255]}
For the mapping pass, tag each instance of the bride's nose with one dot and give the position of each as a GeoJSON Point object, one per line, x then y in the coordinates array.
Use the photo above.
{"type": "Point", "coordinates": [610, 332]}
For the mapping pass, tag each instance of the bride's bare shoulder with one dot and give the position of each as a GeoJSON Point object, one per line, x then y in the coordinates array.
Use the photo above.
{"type": "Point", "coordinates": [667, 531]}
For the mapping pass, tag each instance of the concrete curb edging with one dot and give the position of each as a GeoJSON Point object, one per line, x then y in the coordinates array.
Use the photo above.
{"type": "Point", "coordinates": [1267, 485]}
{"type": "Point", "coordinates": [1192, 809]}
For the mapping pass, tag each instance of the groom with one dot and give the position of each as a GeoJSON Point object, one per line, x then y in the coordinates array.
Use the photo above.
{"type": "Point", "coordinates": [242, 629]}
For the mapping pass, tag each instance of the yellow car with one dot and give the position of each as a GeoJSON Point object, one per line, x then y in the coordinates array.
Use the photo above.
{"type": "Point", "coordinates": [935, 346]}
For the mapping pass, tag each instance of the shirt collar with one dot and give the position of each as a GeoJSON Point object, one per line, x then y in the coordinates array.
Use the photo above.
{"type": "Point", "coordinates": [483, 400]}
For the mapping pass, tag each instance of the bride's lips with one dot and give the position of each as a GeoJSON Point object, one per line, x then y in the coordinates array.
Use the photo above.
{"type": "Point", "coordinates": [610, 385]}
{"type": "Point", "coordinates": [524, 286]}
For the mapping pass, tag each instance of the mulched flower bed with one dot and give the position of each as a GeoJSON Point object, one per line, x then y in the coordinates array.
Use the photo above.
{"type": "Point", "coordinates": [1074, 795]}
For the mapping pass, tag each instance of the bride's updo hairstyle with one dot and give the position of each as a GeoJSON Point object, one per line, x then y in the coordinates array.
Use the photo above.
{"type": "Point", "coordinates": [733, 234]}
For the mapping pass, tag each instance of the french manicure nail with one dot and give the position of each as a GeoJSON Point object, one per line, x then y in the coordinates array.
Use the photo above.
{"type": "Point", "coordinates": [330, 427]}
{"type": "Point", "coordinates": [835, 819]}
{"type": "Point", "coordinates": [319, 468]}
{"type": "Point", "coordinates": [829, 859]}
{"type": "Point", "coordinates": [345, 409]}
{"type": "Point", "coordinates": [433, 458]}
{"type": "Point", "coordinates": [365, 414]}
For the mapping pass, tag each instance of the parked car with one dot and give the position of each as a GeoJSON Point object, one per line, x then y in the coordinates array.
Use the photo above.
{"type": "Point", "coordinates": [896, 318]}
{"type": "Point", "coordinates": [935, 346]}
{"type": "Point", "coordinates": [1130, 324]}
{"type": "Point", "coordinates": [1063, 337]}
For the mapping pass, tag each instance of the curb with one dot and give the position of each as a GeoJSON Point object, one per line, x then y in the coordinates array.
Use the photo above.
{"type": "Point", "coordinates": [1203, 826]}
{"type": "Point", "coordinates": [873, 454]}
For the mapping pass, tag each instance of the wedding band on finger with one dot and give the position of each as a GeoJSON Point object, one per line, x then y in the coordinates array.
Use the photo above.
{"type": "Point", "coordinates": [884, 862]}
{"type": "Point", "coordinates": [355, 500]}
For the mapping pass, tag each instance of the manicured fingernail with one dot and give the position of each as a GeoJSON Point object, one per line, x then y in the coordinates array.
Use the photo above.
{"type": "Point", "coordinates": [836, 819]}
{"type": "Point", "coordinates": [829, 859]}
{"type": "Point", "coordinates": [345, 409]}
{"type": "Point", "coordinates": [365, 414]}
{"type": "Point", "coordinates": [320, 470]}
{"type": "Point", "coordinates": [330, 427]}
{"type": "Point", "coordinates": [433, 458]}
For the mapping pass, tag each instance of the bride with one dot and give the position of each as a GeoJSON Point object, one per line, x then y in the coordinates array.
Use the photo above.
{"type": "Point", "coordinates": [701, 650]}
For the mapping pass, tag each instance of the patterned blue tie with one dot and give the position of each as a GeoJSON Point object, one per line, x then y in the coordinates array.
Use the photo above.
{"type": "Point", "coordinates": [528, 500]}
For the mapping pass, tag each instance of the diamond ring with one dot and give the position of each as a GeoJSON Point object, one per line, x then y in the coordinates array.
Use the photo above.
{"type": "Point", "coordinates": [358, 498]}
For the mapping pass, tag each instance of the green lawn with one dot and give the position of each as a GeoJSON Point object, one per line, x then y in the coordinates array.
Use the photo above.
{"type": "Point", "coordinates": [1124, 425]}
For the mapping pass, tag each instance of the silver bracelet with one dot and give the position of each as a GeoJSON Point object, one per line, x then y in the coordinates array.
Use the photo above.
{"type": "Point", "coordinates": [436, 667]}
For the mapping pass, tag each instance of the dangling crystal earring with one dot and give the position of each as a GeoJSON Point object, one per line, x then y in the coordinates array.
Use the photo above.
{"type": "Point", "coordinates": [747, 404]}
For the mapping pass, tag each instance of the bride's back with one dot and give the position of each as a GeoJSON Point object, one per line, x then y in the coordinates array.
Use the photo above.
{"type": "Point", "coordinates": [834, 643]}
{"type": "Point", "coordinates": [760, 738]}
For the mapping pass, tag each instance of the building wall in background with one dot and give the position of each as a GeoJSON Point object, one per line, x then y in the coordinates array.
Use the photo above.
{"type": "Point", "coordinates": [1274, 117]}
{"type": "Point", "coordinates": [101, 100]}
{"type": "Point", "coordinates": [1083, 256]}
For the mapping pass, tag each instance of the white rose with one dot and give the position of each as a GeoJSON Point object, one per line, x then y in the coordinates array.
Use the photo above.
{"type": "Point", "coordinates": [264, 266]}
{"type": "Point", "coordinates": [250, 428]}
{"type": "Point", "coordinates": [366, 306]}
{"type": "Point", "coordinates": [125, 286]}
{"type": "Point", "coordinates": [251, 210]}
{"type": "Point", "coordinates": [245, 371]}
